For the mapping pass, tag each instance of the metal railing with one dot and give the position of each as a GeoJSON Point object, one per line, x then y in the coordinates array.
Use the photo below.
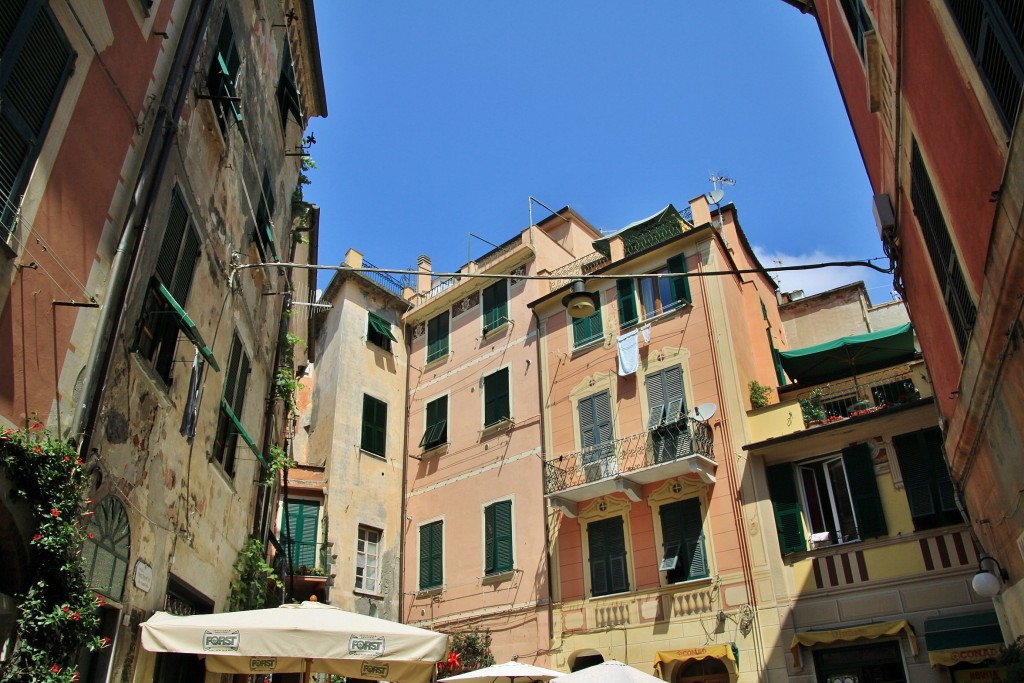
{"type": "Point", "coordinates": [641, 238]}
{"type": "Point", "coordinates": [849, 398]}
{"type": "Point", "coordinates": [308, 559]}
{"type": "Point", "coordinates": [581, 266]}
{"type": "Point", "coordinates": [388, 282]}
{"type": "Point", "coordinates": [498, 252]}
{"type": "Point", "coordinates": [659, 446]}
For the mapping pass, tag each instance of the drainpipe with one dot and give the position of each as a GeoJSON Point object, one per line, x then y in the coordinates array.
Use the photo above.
{"type": "Point", "coordinates": [147, 185]}
{"type": "Point", "coordinates": [543, 474]}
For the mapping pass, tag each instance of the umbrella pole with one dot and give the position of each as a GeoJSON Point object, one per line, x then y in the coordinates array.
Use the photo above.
{"type": "Point", "coordinates": [308, 674]}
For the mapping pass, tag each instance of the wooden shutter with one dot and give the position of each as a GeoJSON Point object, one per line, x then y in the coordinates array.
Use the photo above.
{"type": "Point", "coordinates": [682, 529]}
{"type": "Point", "coordinates": [586, 330]}
{"type": "Point", "coordinates": [926, 478]}
{"type": "Point", "coordinates": [675, 401]}
{"type": "Point", "coordinates": [598, 558]}
{"type": "Point", "coordinates": [437, 337]}
{"type": "Point", "coordinates": [431, 555]}
{"type": "Point", "coordinates": [495, 299]}
{"type": "Point", "coordinates": [867, 504]}
{"type": "Point", "coordinates": [496, 397]}
{"type": "Point", "coordinates": [303, 516]}
{"type": "Point", "coordinates": [170, 248]}
{"type": "Point", "coordinates": [655, 400]}
{"type": "Point", "coordinates": [498, 537]}
{"type": "Point", "coordinates": [375, 415]}
{"type": "Point", "coordinates": [627, 302]}
{"type": "Point", "coordinates": [436, 431]}
{"type": "Point", "coordinates": [681, 284]}
{"type": "Point", "coordinates": [608, 572]}
{"type": "Point", "coordinates": [786, 504]}
{"type": "Point", "coordinates": [35, 62]}
{"type": "Point", "coordinates": [585, 407]}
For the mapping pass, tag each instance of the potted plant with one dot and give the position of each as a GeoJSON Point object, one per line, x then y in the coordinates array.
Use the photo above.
{"type": "Point", "coordinates": [760, 395]}
{"type": "Point", "coordinates": [810, 406]}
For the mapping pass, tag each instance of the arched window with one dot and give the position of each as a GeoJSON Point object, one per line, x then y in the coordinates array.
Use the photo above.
{"type": "Point", "coordinates": [707, 670]}
{"type": "Point", "coordinates": [106, 553]}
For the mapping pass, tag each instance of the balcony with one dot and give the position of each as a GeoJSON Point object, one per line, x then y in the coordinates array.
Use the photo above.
{"type": "Point", "coordinates": [575, 269]}
{"type": "Point", "coordinates": [683, 447]}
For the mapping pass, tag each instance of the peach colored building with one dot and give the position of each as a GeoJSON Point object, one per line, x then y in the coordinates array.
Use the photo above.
{"type": "Point", "coordinates": [655, 558]}
{"type": "Point", "coordinates": [474, 525]}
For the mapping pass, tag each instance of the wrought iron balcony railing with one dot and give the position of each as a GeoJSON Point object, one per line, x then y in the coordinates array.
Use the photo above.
{"type": "Point", "coordinates": [664, 445]}
{"type": "Point", "coordinates": [388, 282]}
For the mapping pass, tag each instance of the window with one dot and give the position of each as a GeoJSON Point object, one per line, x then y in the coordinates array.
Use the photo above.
{"type": "Point", "coordinates": [596, 436]}
{"type": "Point", "coordinates": [959, 303]}
{"type": "Point", "coordinates": [375, 424]}
{"type": "Point", "coordinates": [436, 432]}
{"type": "Point", "coordinates": [657, 295]}
{"type": "Point", "coordinates": [106, 553]}
{"type": "Point", "coordinates": [163, 311]}
{"type": "Point", "coordinates": [496, 406]}
{"type": "Point", "coordinates": [35, 62]}
{"type": "Point", "coordinates": [229, 426]}
{"type": "Point", "coordinates": [996, 42]}
{"type": "Point", "coordinates": [586, 330]}
{"type": "Point", "coordinates": [378, 332]}
{"type": "Point", "coordinates": [437, 337]}
{"type": "Point", "coordinates": [498, 537]}
{"type": "Point", "coordinates": [926, 480]}
{"type": "Point", "coordinates": [367, 559]}
{"type": "Point", "coordinates": [666, 418]}
{"type": "Point", "coordinates": [302, 522]}
{"type": "Point", "coordinates": [607, 545]}
{"type": "Point", "coordinates": [263, 232]}
{"type": "Point", "coordinates": [682, 532]}
{"type": "Point", "coordinates": [287, 91]}
{"type": "Point", "coordinates": [495, 306]}
{"type": "Point", "coordinates": [859, 21]}
{"type": "Point", "coordinates": [835, 497]}
{"type": "Point", "coordinates": [431, 555]}
{"type": "Point", "coordinates": [222, 79]}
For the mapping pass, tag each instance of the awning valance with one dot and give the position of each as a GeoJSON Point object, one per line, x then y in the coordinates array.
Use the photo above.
{"type": "Point", "coordinates": [966, 638]}
{"type": "Point", "coordinates": [839, 635]}
{"type": "Point", "coordinates": [848, 356]}
{"type": "Point", "coordinates": [728, 653]}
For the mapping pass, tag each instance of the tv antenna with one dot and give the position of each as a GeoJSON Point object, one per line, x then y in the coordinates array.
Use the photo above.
{"type": "Point", "coordinates": [717, 180]}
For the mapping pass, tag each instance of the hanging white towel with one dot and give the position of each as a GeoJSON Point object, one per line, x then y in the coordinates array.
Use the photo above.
{"type": "Point", "coordinates": [646, 332]}
{"type": "Point", "coordinates": [629, 353]}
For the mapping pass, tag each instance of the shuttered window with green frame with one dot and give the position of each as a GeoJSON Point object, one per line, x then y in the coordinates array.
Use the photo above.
{"type": "Point", "coordinates": [378, 331]}
{"type": "Point", "coordinates": [229, 427]}
{"type": "Point", "coordinates": [495, 305]}
{"type": "Point", "coordinates": [158, 326]}
{"type": "Point", "coordinates": [785, 495]}
{"type": "Point", "coordinates": [263, 233]}
{"type": "Point", "coordinates": [596, 432]}
{"type": "Point", "coordinates": [926, 480]}
{"type": "Point", "coordinates": [436, 431]}
{"type": "Point", "coordinates": [496, 398]}
{"type": "Point", "coordinates": [589, 329]}
{"type": "Point", "coordinates": [35, 63]}
{"type": "Point", "coordinates": [437, 337]}
{"type": "Point", "coordinates": [606, 543]}
{"type": "Point", "coordinates": [682, 531]}
{"type": "Point", "coordinates": [222, 78]}
{"type": "Point", "coordinates": [432, 555]}
{"type": "Point", "coordinates": [680, 283]}
{"type": "Point", "coordinates": [375, 425]}
{"type": "Point", "coordinates": [498, 537]}
{"type": "Point", "coordinates": [626, 294]}
{"type": "Point", "coordinates": [301, 533]}
{"type": "Point", "coordinates": [287, 91]}
{"type": "Point", "coordinates": [867, 503]}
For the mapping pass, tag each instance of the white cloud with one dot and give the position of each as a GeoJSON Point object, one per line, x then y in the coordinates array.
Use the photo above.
{"type": "Point", "coordinates": [816, 280]}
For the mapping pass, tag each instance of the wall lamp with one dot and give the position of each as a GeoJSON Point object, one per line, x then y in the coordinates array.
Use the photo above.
{"type": "Point", "coordinates": [990, 577]}
{"type": "Point", "coordinates": [579, 302]}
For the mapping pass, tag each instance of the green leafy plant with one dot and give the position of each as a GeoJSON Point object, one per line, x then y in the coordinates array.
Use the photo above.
{"type": "Point", "coordinates": [811, 406]}
{"type": "Point", "coordinates": [306, 163]}
{"type": "Point", "coordinates": [760, 395]}
{"type": "Point", "coordinates": [255, 584]}
{"type": "Point", "coordinates": [57, 614]}
{"type": "Point", "coordinates": [468, 651]}
{"type": "Point", "coordinates": [1012, 657]}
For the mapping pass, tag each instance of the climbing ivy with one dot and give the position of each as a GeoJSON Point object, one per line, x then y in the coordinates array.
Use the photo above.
{"type": "Point", "coordinates": [255, 584]}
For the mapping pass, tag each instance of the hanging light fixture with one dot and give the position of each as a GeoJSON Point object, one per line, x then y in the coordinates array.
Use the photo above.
{"type": "Point", "coordinates": [990, 577]}
{"type": "Point", "coordinates": [579, 302]}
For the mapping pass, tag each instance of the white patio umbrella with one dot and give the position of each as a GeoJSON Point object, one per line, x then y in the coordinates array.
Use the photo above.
{"type": "Point", "coordinates": [611, 671]}
{"type": "Point", "coordinates": [305, 638]}
{"type": "Point", "coordinates": [509, 672]}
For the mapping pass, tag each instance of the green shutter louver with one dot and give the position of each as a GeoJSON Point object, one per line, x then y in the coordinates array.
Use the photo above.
{"type": "Point", "coordinates": [786, 504]}
{"type": "Point", "coordinates": [495, 303]}
{"type": "Point", "coordinates": [436, 432]}
{"type": "Point", "coordinates": [498, 537]}
{"type": "Point", "coordinates": [682, 530]}
{"type": "Point", "coordinates": [437, 337]}
{"type": "Point", "coordinates": [496, 404]}
{"type": "Point", "coordinates": [303, 519]}
{"type": "Point", "coordinates": [867, 504]}
{"type": "Point", "coordinates": [680, 284]}
{"type": "Point", "coordinates": [926, 480]}
{"type": "Point", "coordinates": [374, 431]}
{"type": "Point", "coordinates": [431, 555]}
{"type": "Point", "coordinates": [589, 329]}
{"type": "Point", "coordinates": [381, 326]}
{"type": "Point", "coordinates": [627, 302]}
{"type": "Point", "coordinates": [607, 546]}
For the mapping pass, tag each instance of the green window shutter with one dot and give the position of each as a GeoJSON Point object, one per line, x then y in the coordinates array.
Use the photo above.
{"type": "Point", "coordinates": [682, 530]}
{"type": "Point", "coordinates": [495, 301]}
{"type": "Point", "coordinates": [375, 417]}
{"type": "Point", "coordinates": [35, 62]}
{"type": "Point", "coordinates": [786, 504]}
{"type": "Point", "coordinates": [436, 431]}
{"type": "Point", "coordinates": [287, 91]}
{"type": "Point", "coordinates": [437, 337]}
{"type": "Point", "coordinates": [303, 519]}
{"type": "Point", "coordinates": [496, 406]}
{"type": "Point", "coordinates": [598, 558]}
{"type": "Point", "coordinates": [498, 537]}
{"type": "Point", "coordinates": [586, 330]}
{"type": "Point", "coordinates": [867, 504]}
{"type": "Point", "coordinates": [675, 401]}
{"type": "Point", "coordinates": [655, 400]}
{"type": "Point", "coordinates": [431, 555]}
{"type": "Point", "coordinates": [608, 572]}
{"type": "Point", "coordinates": [681, 284]}
{"type": "Point", "coordinates": [926, 480]}
{"type": "Point", "coordinates": [381, 326]}
{"type": "Point", "coordinates": [170, 248]}
{"type": "Point", "coordinates": [596, 434]}
{"type": "Point", "coordinates": [181, 284]}
{"type": "Point", "coordinates": [627, 302]}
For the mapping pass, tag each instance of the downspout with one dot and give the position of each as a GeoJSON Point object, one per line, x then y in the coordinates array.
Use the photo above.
{"type": "Point", "coordinates": [122, 269]}
{"type": "Point", "coordinates": [543, 474]}
{"type": "Point", "coordinates": [405, 481]}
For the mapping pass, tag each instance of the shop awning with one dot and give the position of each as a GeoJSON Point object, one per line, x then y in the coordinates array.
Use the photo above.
{"type": "Point", "coordinates": [841, 635]}
{"type": "Point", "coordinates": [965, 638]}
{"type": "Point", "coordinates": [847, 356]}
{"type": "Point", "coordinates": [728, 653]}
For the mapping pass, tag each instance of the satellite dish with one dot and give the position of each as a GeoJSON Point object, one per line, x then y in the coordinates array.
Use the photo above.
{"type": "Point", "coordinates": [715, 196]}
{"type": "Point", "coordinates": [705, 411]}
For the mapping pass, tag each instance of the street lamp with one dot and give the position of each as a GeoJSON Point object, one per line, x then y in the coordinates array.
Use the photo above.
{"type": "Point", "coordinates": [990, 577]}
{"type": "Point", "coordinates": [579, 302]}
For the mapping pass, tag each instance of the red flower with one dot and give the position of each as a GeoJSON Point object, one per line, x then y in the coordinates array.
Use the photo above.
{"type": "Point", "coordinates": [79, 462]}
{"type": "Point", "coordinates": [38, 449]}
{"type": "Point", "coordinates": [90, 513]}
{"type": "Point", "coordinates": [66, 608]}
{"type": "Point", "coordinates": [89, 536]}
{"type": "Point", "coordinates": [88, 501]}
{"type": "Point", "coordinates": [76, 616]}
{"type": "Point", "coordinates": [75, 677]}
{"type": "Point", "coordinates": [55, 669]}
{"type": "Point", "coordinates": [37, 537]}
{"type": "Point", "coordinates": [55, 512]}
{"type": "Point", "coordinates": [67, 459]}
{"type": "Point", "coordinates": [99, 601]}
{"type": "Point", "coordinates": [106, 641]}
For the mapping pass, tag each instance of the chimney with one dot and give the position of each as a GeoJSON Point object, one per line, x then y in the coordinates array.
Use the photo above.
{"type": "Point", "coordinates": [423, 278]}
{"type": "Point", "coordinates": [701, 210]}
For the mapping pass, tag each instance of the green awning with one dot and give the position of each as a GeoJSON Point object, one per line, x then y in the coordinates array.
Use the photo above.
{"type": "Point", "coordinates": [187, 326]}
{"type": "Point", "coordinates": [241, 431]}
{"type": "Point", "coordinates": [965, 638]}
{"type": "Point", "coordinates": [382, 327]}
{"type": "Point", "coordinates": [848, 356]}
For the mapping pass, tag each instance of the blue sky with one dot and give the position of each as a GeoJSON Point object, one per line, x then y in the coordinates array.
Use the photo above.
{"type": "Point", "coordinates": [445, 117]}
